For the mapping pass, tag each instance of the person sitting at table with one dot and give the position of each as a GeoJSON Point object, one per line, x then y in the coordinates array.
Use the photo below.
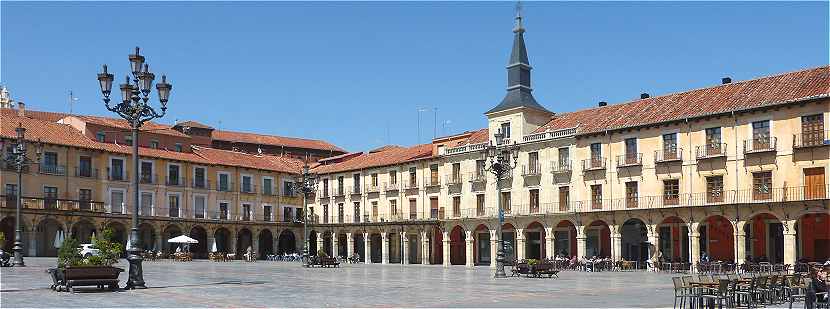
{"type": "Point", "coordinates": [817, 286]}
{"type": "Point", "coordinates": [704, 258]}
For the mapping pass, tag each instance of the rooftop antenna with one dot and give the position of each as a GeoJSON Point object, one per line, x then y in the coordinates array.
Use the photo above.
{"type": "Point", "coordinates": [420, 110]}
{"type": "Point", "coordinates": [435, 122]}
{"type": "Point", "coordinates": [72, 100]}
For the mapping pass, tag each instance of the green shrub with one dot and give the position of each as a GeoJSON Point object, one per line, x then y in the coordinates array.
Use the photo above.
{"type": "Point", "coordinates": [108, 250]}
{"type": "Point", "coordinates": [532, 262]}
{"type": "Point", "coordinates": [322, 253]}
{"type": "Point", "coordinates": [69, 253]}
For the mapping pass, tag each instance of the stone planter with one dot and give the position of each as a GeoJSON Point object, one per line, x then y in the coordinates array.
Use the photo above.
{"type": "Point", "coordinates": [68, 278]}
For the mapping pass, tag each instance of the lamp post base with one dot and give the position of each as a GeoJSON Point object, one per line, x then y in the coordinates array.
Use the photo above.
{"type": "Point", "coordinates": [500, 265]}
{"type": "Point", "coordinates": [136, 275]}
{"type": "Point", "coordinates": [305, 257]}
{"type": "Point", "coordinates": [18, 254]}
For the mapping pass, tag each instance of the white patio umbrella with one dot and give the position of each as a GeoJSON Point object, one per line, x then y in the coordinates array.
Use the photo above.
{"type": "Point", "coordinates": [57, 243]}
{"type": "Point", "coordinates": [213, 247]}
{"type": "Point", "coordinates": [182, 239]}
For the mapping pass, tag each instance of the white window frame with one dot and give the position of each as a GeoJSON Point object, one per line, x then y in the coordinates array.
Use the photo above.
{"type": "Point", "coordinates": [219, 209]}
{"type": "Point", "coordinates": [167, 172]}
{"type": "Point", "coordinates": [242, 209]}
{"type": "Point", "coordinates": [282, 188]}
{"type": "Point", "coordinates": [242, 182]}
{"type": "Point", "coordinates": [193, 175]}
{"type": "Point", "coordinates": [271, 216]}
{"type": "Point", "coordinates": [152, 202]}
{"type": "Point", "coordinates": [205, 210]}
{"type": "Point", "coordinates": [123, 171]}
{"type": "Point", "coordinates": [152, 169]}
{"type": "Point", "coordinates": [167, 202]}
{"type": "Point", "coordinates": [109, 199]}
{"type": "Point", "coordinates": [262, 183]}
{"type": "Point", "coordinates": [219, 180]}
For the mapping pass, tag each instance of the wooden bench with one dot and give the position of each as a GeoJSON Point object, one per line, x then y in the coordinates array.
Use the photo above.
{"type": "Point", "coordinates": [537, 271]}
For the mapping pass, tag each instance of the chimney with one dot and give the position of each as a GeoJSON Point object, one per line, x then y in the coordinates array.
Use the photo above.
{"type": "Point", "coordinates": [602, 103]}
{"type": "Point", "coordinates": [21, 109]}
{"type": "Point", "coordinates": [726, 80]}
{"type": "Point", "coordinates": [644, 96]}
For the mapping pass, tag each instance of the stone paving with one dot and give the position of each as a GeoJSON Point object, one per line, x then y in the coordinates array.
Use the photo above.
{"type": "Point", "coordinates": [286, 284]}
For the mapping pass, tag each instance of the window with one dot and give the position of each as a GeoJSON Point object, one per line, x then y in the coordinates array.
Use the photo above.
{"type": "Point", "coordinates": [413, 177]}
{"type": "Point", "coordinates": [596, 151]}
{"type": "Point", "coordinates": [325, 213]}
{"type": "Point", "coordinates": [596, 196]}
{"type": "Point", "coordinates": [505, 129]}
{"type": "Point", "coordinates": [480, 172]}
{"type": "Point", "coordinates": [50, 162]}
{"type": "Point", "coordinates": [173, 175]}
{"type": "Point", "coordinates": [533, 163]}
{"type": "Point", "coordinates": [631, 194]}
{"type": "Point", "coordinates": [564, 159]}
{"type": "Point", "coordinates": [356, 182]}
{"type": "Point", "coordinates": [340, 181]}
{"type": "Point", "coordinates": [671, 192]}
{"type": "Point", "coordinates": [340, 213]}
{"type": "Point", "coordinates": [505, 202]}
{"type": "Point", "coordinates": [223, 210]}
{"type": "Point", "coordinates": [456, 173]}
{"type": "Point", "coordinates": [117, 169]}
{"type": "Point", "coordinates": [117, 201]}
{"type": "Point", "coordinates": [246, 212]}
{"type": "Point", "coordinates": [456, 206]}
{"type": "Point", "coordinates": [433, 174]}
{"type": "Point", "coordinates": [713, 144]}
{"type": "Point", "coordinates": [393, 177]}
{"type": "Point", "coordinates": [480, 204]}
{"type": "Point", "coordinates": [287, 189]}
{"type": "Point", "coordinates": [433, 207]}
{"type": "Point", "coordinates": [199, 202]}
{"type": "Point", "coordinates": [268, 185]}
{"type": "Point", "coordinates": [631, 156]}
{"type": "Point", "coordinates": [146, 175]}
{"type": "Point", "coordinates": [374, 180]}
{"type": "Point", "coordinates": [812, 130]}
{"type": "Point", "coordinates": [393, 208]}
{"type": "Point", "coordinates": [11, 195]}
{"type": "Point", "coordinates": [356, 212]}
{"type": "Point", "coordinates": [128, 139]}
{"type": "Point", "coordinates": [286, 214]}
{"type": "Point", "coordinates": [670, 146]}
{"type": "Point", "coordinates": [199, 180]}
{"type": "Point", "coordinates": [714, 189]}
{"type": "Point", "coordinates": [761, 185]}
{"type": "Point", "coordinates": [374, 211]}
{"type": "Point", "coordinates": [534, 201]}
{"type": "Point", "coordinates": [173, 202]}
{"type": "Point", "coordinates": [146, 208]}
{"type": "Point", "coordinates": [154, 144]}
{"type": "Point", "coordinates": [85, 166]}
{"type": "Point", "coordinates": [266, 213]}
{"type": "Point", "coordinates": [101, 137]}
{"type": "Point", "coordinates": [413, 208]}
{"type": "Point", "coordinates": [325, 187]}
{"type": "Point", "coordinates": [564, 198]}
{"type": "Point", "coordinates": [84, 199]}
{"type": "Point", "coordinates": [178, 147]}
{"type": "Point", "coordinates": [224, 182]}
{"type": "Point", "coordinates": [247, 185]}
{"type": "Point", "coordinates": [760, 135]}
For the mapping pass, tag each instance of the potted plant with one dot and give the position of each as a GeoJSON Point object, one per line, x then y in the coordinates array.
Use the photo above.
{"type": "Point", "coordinates": [73, 267]}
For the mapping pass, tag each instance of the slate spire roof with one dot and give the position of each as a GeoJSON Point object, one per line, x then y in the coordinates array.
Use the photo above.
{"type": "Point", "coordinates": [518, 74]}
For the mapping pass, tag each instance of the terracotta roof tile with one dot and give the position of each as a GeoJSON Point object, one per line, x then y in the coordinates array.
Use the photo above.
{"type": "Point", "coordinates": [273, 140]}
{"type": "Point", "coordinates": [765, 91]}
{"type": "Point", "coordinates": [123, 124]}
{"type": "Point", "coordinates": [41, 115]}
{"type": "Point", "coordinates": [193, 124]}
{"type": "Point", "coordinates": [240, 159]}
{"type": "Point", "coordinates": [385, 157]}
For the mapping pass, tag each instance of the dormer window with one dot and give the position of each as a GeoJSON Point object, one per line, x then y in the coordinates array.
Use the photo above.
{"type": "Point", "coordinates": [178, 147]}
{"type": "Point", "coordinates": [101, 136]}
{"type": "Point", "coordinates": [505, 129]}
{"type": "Point", "coordinates": [154, 144]}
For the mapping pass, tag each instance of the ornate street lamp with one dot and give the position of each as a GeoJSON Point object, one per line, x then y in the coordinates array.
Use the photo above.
{"type": "Point", "coordinates": [305, 184]}
{"type": "Point", "coordinates": [135, 93]}
{"type": "Point", "coordinates": [501, 160]}
{"type": "Point", "coordinates": [18, 160]}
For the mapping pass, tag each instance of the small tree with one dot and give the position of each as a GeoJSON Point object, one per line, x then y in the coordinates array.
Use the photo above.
{"type": "Point", "coordinates": [108, 250]}
{"type": "Point", "coordinates": [69, 253]}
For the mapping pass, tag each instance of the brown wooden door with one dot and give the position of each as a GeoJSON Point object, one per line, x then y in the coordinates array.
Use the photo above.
{"type": "Point", "coordinates": [814, 186]}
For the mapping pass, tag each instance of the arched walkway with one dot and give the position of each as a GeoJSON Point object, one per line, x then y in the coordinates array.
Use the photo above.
{"type": "Point", "coordinates": [535, 241]}
{"type": "Point", "coordinates": [327, 243]}
{"type": "Point", "coordinates": [82, 231]}
{"type": "Point", "coordinates": [674, 239]}
{"type": "Point", "coordinates": [813, 237]}
{"type": "Point", "coordinates": [764, 239]}
{"type": "Point", "coordinates": [244, 239]}
{"type": "Point", "coordinates": [634, 241]}
{"type": "Point", "coordinates": [46, 232]}
{"type": "Point", "coordinates": [7, 227]}
{"type": "Point", "coordinates": [597, 240]}
{"type": "Point", "coordinates": [359, 246]}
{"type": "Point", "coordinates": [508, 236]}
{"type": "Point", "coordinates": [377, 244]}
{"type": "Point", "coordinates": [147, 236]}
{"type": "Point", "coordinates": [312, 242]}
{"type": "Point", "coordinates": [266, 244]}
{"type": "Point", "coordinates": [457, 246]}
{"type": "Point", "coordinates": [119, 232]}
{"type": "Point", "coordinates": [287, 243]}
{"type": "Point", "coordinates": [436, 246]}
{"type": "Point", "coordinates": [342, 245]}
{"type": "Point", "coordinates": [222, 237]}
{"type": "Point", "coordinates": [565, 234]}
{"type": "Point", "coordinates": [716, 238]}
{"type": "Point", "coordinates": [200, 249]}
{"type": "Point", "coordinates": [170, 231]}
{"type": "Point", "coordinates": [481, 245]}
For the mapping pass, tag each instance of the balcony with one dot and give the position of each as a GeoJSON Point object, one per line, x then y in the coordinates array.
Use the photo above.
{"type": "Point", "coordinates": [148, 179]}
{"type": "Point", "coordinates": [668, 155]}
{"type": "Point", "coordinates": [174, 181]}
{"type": "Point", "coordinates": [372, 189]}
{"type": "Point", "coordinates": [269, 191]}
{"type": "Point", "coordinates": [389, 187]}
{"type": "Point", "coordinates": [531, 170]}
{"type": "Point", "coordinates": [200, 183]}
{"type": "Point", "coordinates": [432, 182]}
{"type": "Point", "coordinates": [6, 166]}
{"type": "Point", "coordinates": [57, 170]}
{"type": "Point", "coordinates": [10, 201]}
{"type": "Point", "coordinates": [339, 192]}
{"type": "Point", "coordinates": [224, 186]}
{"type": "Point", "coordinates": [811, 139]}
{"type": "Point", "coordinates": [560, 167]}
{"type": "Point", "coordinates": [86, 173]}
{"type": "Point", "coordinates": [478, 177]}
{"type": "Point", "coordinates": [115, 175]}
{"type": "Point", "coordinates": [453, 180]}
{"type": "Point", "coordinates": [411, 184]}
{"type": "Point", "coordinates": [247, 188]}
{"type": "Point", "coordinates": [709, 151]}
{"type": "Point", "coordinates": [630, 160]}
{"type": "Point", "coordinates": [760, 145]}
{"type": "Point", "coordinates": [593, 164]}
{"type": "Point", "coordinates": [355, 190]}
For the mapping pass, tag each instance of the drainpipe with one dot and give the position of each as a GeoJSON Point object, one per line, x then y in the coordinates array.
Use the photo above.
{"type": "Point", "coordinates": [737, 207]}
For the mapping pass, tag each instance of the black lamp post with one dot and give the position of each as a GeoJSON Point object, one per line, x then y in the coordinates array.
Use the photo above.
{"type": "Point", "coordinates": [501, 160]}
{"type": "Point", "coordinates": [305, 184]}
{"type": "Point", "coordinates": [19, 161]}
{"type": "Point", "coordinates": [135, 93]}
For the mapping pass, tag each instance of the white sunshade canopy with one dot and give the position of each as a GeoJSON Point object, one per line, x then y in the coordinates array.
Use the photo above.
{"type": "Point", "coordinates": [183, 239]}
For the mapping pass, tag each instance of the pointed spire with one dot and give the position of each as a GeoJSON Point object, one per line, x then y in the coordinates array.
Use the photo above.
{"type": "Point", "coordinates": [518, 72]}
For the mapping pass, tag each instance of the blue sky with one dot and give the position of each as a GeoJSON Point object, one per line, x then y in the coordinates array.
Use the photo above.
{"type": "Point", "coordinates": [356, 74]}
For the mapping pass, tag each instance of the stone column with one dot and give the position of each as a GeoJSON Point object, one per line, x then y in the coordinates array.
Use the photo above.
{"type": "Point", "coordinates": [581, 245]}
{"type": "Point", "coordinates": [654, 239]}
{"type": "Point", "coordinates": [494, 247]}
{"type": "Point", "coordinates": [694, 247]}
{"type": "Point", "coordinates": [210, 242]}
{"type": "Point", "coordinates": [468, 242]}
{"type": "Point", "coordinates": [616, 246]}
{"type": "Point", "coordinates": [424, 248]}
{"type": "Point", "coordinates": [335, 245]}
{"type": "Point", "coordinates": [367, 248]}
{"type": "Point", "coordinates": [520, 244]}
{"type": "Point", "coordinates": [319, 244]}
{"type": "Point", "coordinates": [255, 245]}
{"type": "Point", "coordinates": [349, 244]}
{"type": "Point", "coordinates": [384, 255]}
{"type": "Point", "coordinates": [740, 242]}
{"type": "Point", "coordinates": [790, 252]}
{"type": "Point", "coordinates": [405, 246]}
{"type": "Point", "coordinates": [550, 240]}
{"type": "Point", "coordinates": [446, 251]}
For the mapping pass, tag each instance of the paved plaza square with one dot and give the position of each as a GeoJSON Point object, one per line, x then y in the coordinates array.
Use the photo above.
{"type": "Point", "coordinates": [286, 284]}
